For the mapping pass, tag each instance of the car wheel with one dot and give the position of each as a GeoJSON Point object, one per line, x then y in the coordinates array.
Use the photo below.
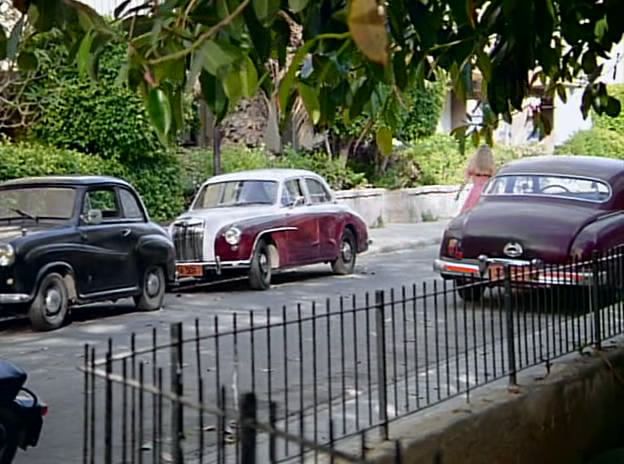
{"type": "Point", "coordinates": [49, 308]}
{"type": "Point", "coordinates": [345, 263]}
{"type": "Point", "coordinates": [8, 437]}
{"type": "Point", "coordinates": [152, 290]}
{"type": "Point", "coordinates": [260, 270]}
{"type": "Point", "coordinates": [470, 291]}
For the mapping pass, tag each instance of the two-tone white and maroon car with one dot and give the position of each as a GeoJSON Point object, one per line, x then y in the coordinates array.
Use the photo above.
{"type": "Point", "coordinates": [256, 222]}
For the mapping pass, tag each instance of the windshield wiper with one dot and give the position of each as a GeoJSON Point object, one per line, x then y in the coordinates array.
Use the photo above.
{"type": "Point", "coordinates": [25, 214]}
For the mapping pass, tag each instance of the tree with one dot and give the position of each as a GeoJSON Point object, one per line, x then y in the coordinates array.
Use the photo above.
{"type": "Point", "coordinates": [352, 51]}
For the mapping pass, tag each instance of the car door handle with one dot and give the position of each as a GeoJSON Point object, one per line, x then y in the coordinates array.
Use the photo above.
{"type": "Point", "coordinates": [126, 232]}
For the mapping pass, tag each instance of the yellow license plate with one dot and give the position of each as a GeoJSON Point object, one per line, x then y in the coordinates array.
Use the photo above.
{"type": "Point", "coordinates": [190, 270]}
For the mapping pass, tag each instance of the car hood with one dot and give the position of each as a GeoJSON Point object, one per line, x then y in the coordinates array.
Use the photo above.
{"type": "Point", "coordinates": [544, 230]}
{"type": "Point", "coordinates": [13, 231]}
{"type": "Point", "coordinates": [216, 218]}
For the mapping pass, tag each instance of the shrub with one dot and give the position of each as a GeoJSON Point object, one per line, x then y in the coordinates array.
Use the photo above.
{"type": "Point", "coordinates": [606, 122]}
{"type": "Point", "coordinates": [99, 117]}
{"type": "Point", "coordinates": [424, 108]}
{"type": "Point", "coordinates": [26, 159]}
{"type": "Point", "coordinates": [597, 141]}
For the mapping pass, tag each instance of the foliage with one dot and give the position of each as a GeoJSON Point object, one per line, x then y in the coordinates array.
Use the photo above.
{"type": "Point", "coordinates": [424, 108]}
{"type": "Point", "coordinates": [98, 117]}
{"type": "Point", "coordinates": [615, 124]}
{"type": "Point", "coordinates": [351, 53]}
{"type": "Point", "coordinates": [597, 141]}
{"type": "Point", "coordinates": [197, 166]}
{"type": "Point", "coordinates": [27, 159]}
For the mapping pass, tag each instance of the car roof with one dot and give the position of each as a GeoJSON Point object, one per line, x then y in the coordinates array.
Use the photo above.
{"type": "Point", "coordinates": [607, 169]}
{"type": "Point", "coordinates": [70, 180]}
{"type": "Point", "coordinates": [276, 175]}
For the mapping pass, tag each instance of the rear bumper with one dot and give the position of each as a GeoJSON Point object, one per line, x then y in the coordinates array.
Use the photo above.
{"type": "Point", "coordinates": [519, 271]}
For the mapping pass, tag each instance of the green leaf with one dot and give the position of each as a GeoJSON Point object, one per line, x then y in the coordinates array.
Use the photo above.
{"type": "Point", "coordinates": [266, 9]}
{"type": "Point", "coordinates": [83, 57]}
{"type": "Point", "coordinates": [27, 61]}
{"type": "Point", "coordinates": [613, 107]}
{"type": "Point", "coordinates": [383, 137]}
{"type": "Point", "coordinates": [214, 95]}
{"type": "Point", "coordinates": [310, 101]}
{"type": "Point", "coordinates": [14, 39]}
{"type": "Point", "coordinates": [297, 6]}
{"type": "Point", "coordinates": [218, 55]}
{"type": "Point", "coordinates": [241, 81]}
{"type": "Point", "coordinates": [159, 110]}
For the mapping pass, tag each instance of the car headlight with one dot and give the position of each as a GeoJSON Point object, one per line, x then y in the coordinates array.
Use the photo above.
{"type": "Point", "coordinates": [7, 255]}
{"type": "Point", "coordinates": [232, 236]}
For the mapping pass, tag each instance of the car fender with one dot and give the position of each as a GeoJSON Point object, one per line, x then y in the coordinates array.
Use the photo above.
{"type": "Point", "coordinates": [600, 235]}
{"type": "Point", "coordinates": [155, 249]}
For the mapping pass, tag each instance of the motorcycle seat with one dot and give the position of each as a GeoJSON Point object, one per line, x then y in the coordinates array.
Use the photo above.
{"type": "Point", "coordinates": [12, 379]}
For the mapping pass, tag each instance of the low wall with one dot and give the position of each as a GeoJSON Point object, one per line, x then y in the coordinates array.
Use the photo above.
{"type": "Point", "coordinates": [420, 204]}
{"type": "Point", "coordinates": [575, 412]}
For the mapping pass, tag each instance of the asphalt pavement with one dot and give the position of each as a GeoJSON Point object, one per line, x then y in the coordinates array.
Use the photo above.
{"type": "Point", "coordinates": [51, 359]}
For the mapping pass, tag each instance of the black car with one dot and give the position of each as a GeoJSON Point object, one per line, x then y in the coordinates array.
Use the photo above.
{"type": "Point", "coordinates": [76, 240]}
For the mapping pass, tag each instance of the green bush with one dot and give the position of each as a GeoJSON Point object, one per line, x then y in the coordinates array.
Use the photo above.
{"type": "Point", "coordinates": [26, 159]}
{"type": "Point", "coordinates": [92, 116]}
{"type": "Point", "coordinates": [606, 122]}
{"type": "Point", "coordinates": [597, 141]}
{"type": "Point", "coordinates": [424, 108]}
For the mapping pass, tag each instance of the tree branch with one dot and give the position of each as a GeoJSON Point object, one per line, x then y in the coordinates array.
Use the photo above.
{"type": "Point", "coordinates": [203, 37]}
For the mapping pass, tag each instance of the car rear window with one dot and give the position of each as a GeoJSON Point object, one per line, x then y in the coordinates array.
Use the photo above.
{"type": "Point", "coordinates": [576, 188]}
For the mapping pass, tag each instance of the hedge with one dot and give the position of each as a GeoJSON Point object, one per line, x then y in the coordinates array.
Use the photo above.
{"type": "Point", "coordinates": [597, 141]}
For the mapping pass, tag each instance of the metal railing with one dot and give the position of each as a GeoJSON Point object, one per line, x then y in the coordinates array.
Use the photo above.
{"type": "Point", "coordinates": [319, 373]}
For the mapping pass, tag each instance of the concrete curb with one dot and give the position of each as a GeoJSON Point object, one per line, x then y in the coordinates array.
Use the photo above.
{"type": "Point", "coordinates": [375, 249]}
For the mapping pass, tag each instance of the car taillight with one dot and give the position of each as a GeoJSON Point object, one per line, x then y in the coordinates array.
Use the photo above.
{"type": "Point", "coordinates": [454, 249]}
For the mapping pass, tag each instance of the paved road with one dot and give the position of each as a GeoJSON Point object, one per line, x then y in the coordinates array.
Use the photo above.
{"type": "Point", "coordinates": [51, 358]}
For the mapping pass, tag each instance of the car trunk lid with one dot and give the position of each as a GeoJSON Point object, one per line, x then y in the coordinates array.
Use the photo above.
{"type": "Point", "coordinates": [543, 229]}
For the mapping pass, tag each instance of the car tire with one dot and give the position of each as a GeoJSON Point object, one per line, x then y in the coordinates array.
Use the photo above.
{"type": "Point", "coordinates": [345, 263]}
{"type": "Point", "coordinates": [153, 287]}
{"type": "Point", "coordinates": [470, 291]}
{"type": "Point", "coordinates": [260, 269]}
{"type": "Point", "coordinates": [49, 309]}
{"type": "Point", "coordinates": [8, 437]}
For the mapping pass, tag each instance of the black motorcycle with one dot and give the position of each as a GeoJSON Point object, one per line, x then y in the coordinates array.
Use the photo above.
{"type": "Point", "coordinates": [21, 413]}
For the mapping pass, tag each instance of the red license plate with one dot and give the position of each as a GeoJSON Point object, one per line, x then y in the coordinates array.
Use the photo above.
{"type": "Point", "coordinates": [190, 270]}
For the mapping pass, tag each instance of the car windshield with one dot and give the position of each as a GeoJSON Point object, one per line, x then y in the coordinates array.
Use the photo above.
{"type": "Point", "coordinates": [37, 203]}
{"type": "Point", "coordinates": [550, 185]}
{"type": "Point", "coordinates": [237, 193]}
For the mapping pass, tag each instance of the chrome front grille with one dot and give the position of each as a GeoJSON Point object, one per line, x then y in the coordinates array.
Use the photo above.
{"type": "Point", "coordinates": [188, 238]}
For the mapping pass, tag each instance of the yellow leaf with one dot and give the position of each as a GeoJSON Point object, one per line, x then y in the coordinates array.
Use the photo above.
{"type": "Point", "coordinates": [367, 25]}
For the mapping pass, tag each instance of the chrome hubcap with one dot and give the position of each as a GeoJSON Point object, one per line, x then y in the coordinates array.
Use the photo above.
{"type": "Point", "coordinates": [264, 263]}
{"type": "Point", "coordinates": [346, 251]}
{"type": "Point", "coordinates": [152, 284]}
{"type": "Point", "coordinates": [53, 301]}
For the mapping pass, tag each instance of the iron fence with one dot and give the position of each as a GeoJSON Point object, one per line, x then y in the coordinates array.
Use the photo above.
{"type": "Point", "coordinates": [320, 373]}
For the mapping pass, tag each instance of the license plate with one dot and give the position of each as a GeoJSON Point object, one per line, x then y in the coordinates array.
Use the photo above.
{"type": "Point", "coordinates": [190, 270]}
{"type": "Point", "coordinates": [518, 274]}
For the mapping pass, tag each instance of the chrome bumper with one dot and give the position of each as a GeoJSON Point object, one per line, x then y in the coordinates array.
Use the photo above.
{"type": "Point", "coordinates": [521, 271]}
{"type": "Point", "coordinates": [14, 298]}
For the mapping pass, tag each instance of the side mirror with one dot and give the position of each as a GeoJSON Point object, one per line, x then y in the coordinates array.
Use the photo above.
{"type": "Point", "coordinates": [93, 217]}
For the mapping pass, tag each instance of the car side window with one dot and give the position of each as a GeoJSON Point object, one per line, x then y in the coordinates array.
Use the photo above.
{"type": "Point", "coordinates": [103, 199]}
{"type": "Point", "coordinates": [292, 191]}
{"type": "Point", "coordinates": [130, 205]}
{"type": "Point", "coordinates": [318, 192]}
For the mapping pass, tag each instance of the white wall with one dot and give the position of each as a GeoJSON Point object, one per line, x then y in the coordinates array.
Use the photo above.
{"type": "Point", "coordinates": [568, 118]}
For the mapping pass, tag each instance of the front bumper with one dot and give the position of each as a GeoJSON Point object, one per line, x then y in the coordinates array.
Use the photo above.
{"type": "Point", "coordinates": [209, 268]}
{"type": "Point", "coordinates": [14, 298]}
{"type": "Point", "coordinates": [493, 271]}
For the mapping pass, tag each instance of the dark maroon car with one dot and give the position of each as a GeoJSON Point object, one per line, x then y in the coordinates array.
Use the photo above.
{"type": "Point", "coordinates": [535, 211]}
